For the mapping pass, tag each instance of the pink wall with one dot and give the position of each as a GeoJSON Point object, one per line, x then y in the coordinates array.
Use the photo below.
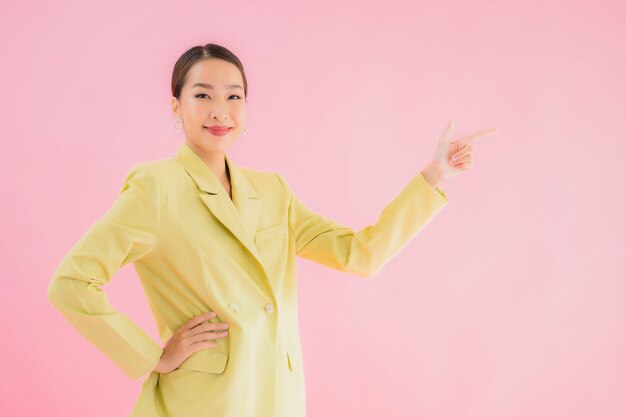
{"type": "Point", "coordinates": [510, 303]}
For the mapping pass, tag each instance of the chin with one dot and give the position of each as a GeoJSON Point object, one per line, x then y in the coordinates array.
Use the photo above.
{"type": "Point", "coordinates": [216, 144]}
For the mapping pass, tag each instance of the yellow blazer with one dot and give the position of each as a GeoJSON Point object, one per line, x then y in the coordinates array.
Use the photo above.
{"type": "Point", "coordinates": [195, 250]}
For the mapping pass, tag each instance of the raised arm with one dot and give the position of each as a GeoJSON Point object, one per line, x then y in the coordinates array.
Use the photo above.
{"type": "Point", "coordinates": [125, 233]}
{"type": "Point", "coordinates": [367, 250]}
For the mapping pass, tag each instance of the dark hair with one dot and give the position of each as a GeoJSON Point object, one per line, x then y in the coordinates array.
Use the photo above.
{"type": "Point", "coordinates": [198, 53]}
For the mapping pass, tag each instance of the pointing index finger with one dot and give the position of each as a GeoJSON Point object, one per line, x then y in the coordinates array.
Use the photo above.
{"type": "Point", "coordinates": [481, 133]}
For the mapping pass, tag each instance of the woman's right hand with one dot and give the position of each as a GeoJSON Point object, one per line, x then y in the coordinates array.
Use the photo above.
{"type": "Point", "coordinates": [189, 338]}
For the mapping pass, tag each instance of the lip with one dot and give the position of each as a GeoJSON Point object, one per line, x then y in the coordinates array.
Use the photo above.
{"type": "Point", "coordinates": [217, 131]}
{"type": "Point", "coordinates": [218, 128]}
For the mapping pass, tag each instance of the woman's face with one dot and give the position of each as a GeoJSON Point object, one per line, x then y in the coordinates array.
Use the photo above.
{"type": "Point", "coordinates": [219, 100]}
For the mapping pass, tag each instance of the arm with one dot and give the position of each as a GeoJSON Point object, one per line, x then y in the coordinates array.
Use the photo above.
{"type": "Point", "coordinates": [125, 233]}
{"type": "Point", "coordinates": [367, 250]}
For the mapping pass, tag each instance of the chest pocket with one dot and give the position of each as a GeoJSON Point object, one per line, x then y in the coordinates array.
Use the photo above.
{"type": "Point", "coordinates": [272, 244]}
{"type": "Point", "coordinates": [262, 236]}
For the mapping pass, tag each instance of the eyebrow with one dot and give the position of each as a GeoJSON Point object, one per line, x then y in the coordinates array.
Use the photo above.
{"type": "Point", "coordinates": [210, 87]}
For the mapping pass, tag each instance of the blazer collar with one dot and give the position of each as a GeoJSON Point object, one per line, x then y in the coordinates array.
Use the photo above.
{"type": "Point", "coordinates": [206, 179]}
{"type": "Point", "coordinates": [239, 215]}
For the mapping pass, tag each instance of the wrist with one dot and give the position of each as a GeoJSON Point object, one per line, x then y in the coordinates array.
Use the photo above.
{"type": "Point", "coordinates": [432, 176]}
{"type": "Point", "coordinates": [158, 367]}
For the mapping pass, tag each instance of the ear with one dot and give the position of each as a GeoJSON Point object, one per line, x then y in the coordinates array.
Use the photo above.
{"type": "Point", "coordinates": [175, 105]}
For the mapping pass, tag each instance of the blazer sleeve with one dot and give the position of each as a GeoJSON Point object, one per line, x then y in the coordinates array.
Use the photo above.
{"type": "Point", "coordinates": [366, 251]}
{"type": "Point", "coordinates": [125, 233]}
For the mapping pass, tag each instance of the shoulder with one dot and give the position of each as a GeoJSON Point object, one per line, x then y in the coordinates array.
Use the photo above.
{"type": "Point", "coordinates": [156, 167]}
{"type": "Point", "coordinates": [158, 172]}
{"type": "Point", "coordinates": [152, 176]}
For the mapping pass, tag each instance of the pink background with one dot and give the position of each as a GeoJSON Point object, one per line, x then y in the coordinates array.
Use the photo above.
{"type": "Point", "coordinates": [511, 302]}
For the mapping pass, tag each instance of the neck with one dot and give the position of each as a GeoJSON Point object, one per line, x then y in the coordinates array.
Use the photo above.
{"type": "Point", "coordinates": [215, 161]}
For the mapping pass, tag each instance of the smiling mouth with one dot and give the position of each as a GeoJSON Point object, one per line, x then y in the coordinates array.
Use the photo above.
{"type": "Point", "coordinates": [218, 129]}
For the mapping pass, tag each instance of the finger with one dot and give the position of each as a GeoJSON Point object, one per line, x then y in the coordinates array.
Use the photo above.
{"type": "Point", "coordinates": [466, 158]}
{"type": "Point", "coordinates": [210, 334]}
{"type": "Point", "coordinates": [194, 347]}
{"type": "Point", "coordinates": [448, 132]}
{"type": "Point", "coordinates": [463, 167]}
{"type": "Point", "coordinates": [201, 337]}
{"type": "Point", "coordinates": [480, 134]}
{"type": "Point", "coordinates": [208, 327]}
{"type": "Point", "coordinates": [206, 336]}
{"type": "Point", "coordinates": [199, 319]}
{"type": "Point", "coordinates": [466, 150]}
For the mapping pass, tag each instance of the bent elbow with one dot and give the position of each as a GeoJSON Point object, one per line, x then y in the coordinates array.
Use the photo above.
{"type": "Point", "coordinates": [372, 272]}
{"type": "Point", "coordinates": [56, 291]}
{"type": "Point", "coordinates": [62, 295]}
{"type": "Point", "coordinates": [366, 271]}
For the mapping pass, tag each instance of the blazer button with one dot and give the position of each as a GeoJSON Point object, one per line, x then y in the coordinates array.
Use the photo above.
{"type": "Point", "coordinates": [269, 308]}
{"type": "Point", "coordinates": [234, 308]}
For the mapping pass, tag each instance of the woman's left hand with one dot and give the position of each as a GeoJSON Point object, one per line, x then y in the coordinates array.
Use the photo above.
{"type": "Point", "coordinates": [453, 157]}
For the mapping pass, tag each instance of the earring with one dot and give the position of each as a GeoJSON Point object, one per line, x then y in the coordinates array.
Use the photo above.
{"type": "Point", "coordinates": [245, 131]}
{"type": "Point", "coordinates": [178, 127]}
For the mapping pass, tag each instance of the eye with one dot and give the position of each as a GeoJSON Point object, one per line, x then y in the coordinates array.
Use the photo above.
{"type": "Point", "coordinates": [202, 94]}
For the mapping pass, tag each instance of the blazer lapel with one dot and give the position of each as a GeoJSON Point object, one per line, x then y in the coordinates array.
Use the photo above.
{"type": "Point", "coordinates": [241, 214]}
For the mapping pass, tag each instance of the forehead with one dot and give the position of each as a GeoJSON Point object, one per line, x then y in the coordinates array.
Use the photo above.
{"type": "Point", "coordinates": [214, 71]}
